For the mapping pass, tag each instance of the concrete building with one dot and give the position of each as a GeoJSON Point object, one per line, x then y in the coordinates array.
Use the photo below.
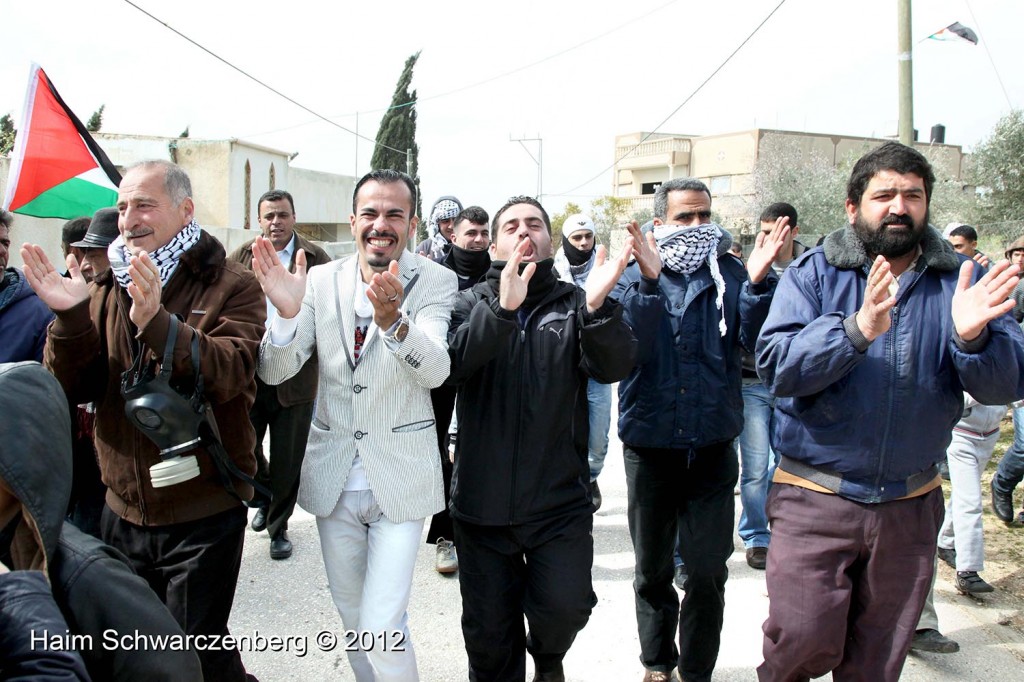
{"type": "Point", "coordinates": [726, 163]}
{"type": "Point", "coordinates": [228, 177]}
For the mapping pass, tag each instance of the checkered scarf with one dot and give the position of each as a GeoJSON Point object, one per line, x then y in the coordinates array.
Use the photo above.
{"type": "Point", "coordinates": [685, 249]}
{"type": "Point", "coordinates": [444, 209]}
{"type": "Point", "coordinates": [166, 257]}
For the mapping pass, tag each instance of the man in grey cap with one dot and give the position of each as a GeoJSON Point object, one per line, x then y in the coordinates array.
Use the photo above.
{"type": "Point", "coordinates": [101, 233]}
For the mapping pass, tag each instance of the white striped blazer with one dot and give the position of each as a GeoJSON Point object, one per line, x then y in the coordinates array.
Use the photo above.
{"type": "Point", "coordinates": [380, 406]}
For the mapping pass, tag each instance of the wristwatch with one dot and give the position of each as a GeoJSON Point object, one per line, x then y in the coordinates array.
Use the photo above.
{"type": "Point", "coordinates": [402, 329]}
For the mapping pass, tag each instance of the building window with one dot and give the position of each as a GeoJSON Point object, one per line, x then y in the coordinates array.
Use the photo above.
{"type": "Point", "coordinates": [273, 177]}
{"type": "Point", "coordinates": [721, 184]}
{"type": "Point", "coordinates": [649, 187]}
{"type": "Point", "coordinates": [247, 198]}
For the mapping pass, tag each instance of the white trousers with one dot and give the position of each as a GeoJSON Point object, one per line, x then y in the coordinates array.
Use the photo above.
{"type": "Point", "coordinates": [369, 562]}
{"type": "Point", "coordinates": [967, 456]}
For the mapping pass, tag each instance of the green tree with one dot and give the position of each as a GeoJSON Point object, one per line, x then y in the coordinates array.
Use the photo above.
{"type": "Point", "coordinates": [998, 170]}
{"type": "Point", "coordinates": [558, 220]}
{"type": "Point", "coordinates": [7, 133]}
{"type": "Point", "coordinates": [608, 213]}
{"type": "Point", "coordinates": [95, 121]}
{"type": "Point", "coordinates": [184, 133]}
{"type": "Point", "coordinates": [397, 133]}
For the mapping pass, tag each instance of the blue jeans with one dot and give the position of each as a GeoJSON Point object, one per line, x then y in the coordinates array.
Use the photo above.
{"type": "Point", "coordinates": [1011, 466]}
{"type": "Point", "coordinates": [599, 397]}
{"type": "Point", "coordinates": [758, 464]}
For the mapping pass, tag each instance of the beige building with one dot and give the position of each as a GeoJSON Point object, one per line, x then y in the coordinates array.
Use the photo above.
{"type": "Point", "coordinates": [726, 163]}
{"type": "Point", "coordinates": [228, 177]}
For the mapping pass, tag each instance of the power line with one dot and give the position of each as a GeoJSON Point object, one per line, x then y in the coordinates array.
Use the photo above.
{"type": "Point", "coordinates": [259, 82]}
{"type": "Point", "coordinates": [617, 27]}
{"type": "Point", "coordinates": [676, 110]}
{"type": "Point", "coordinates": [984, 43]}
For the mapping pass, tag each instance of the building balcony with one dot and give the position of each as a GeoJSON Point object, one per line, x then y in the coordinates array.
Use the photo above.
{"type": "Point", "coordinates": [666, 151]}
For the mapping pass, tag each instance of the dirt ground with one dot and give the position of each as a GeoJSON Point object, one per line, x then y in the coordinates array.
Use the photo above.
{"type": "Point", "coordinates": [1004, 545]}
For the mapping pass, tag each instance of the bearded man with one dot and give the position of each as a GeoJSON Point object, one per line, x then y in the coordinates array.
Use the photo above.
{"type": "Point", "coordinates": [870, 343]}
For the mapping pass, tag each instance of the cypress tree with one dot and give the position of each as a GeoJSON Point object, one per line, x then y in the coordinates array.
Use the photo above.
{"type": "Point", "coordinates": [398, 131]}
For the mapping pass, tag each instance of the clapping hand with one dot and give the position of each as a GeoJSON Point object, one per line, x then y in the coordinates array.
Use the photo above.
{"type": "Point", "coordinates": [283, 289]}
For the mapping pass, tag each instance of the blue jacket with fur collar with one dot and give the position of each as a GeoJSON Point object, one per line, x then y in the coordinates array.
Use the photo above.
{"type": "Point", "coordinates": [869, 421]}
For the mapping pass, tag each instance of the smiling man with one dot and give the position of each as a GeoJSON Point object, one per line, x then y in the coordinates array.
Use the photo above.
{"type": "Point", "coordinates": [185, 539]}
{"type": "Point", "coordinates": [287, 409]}
{"type": "Point", "coordinates": [869, 346]}
{"type": "Point", "coordinates": [523, 346]}
{"type": "Point", "coordinates": [376, 322]}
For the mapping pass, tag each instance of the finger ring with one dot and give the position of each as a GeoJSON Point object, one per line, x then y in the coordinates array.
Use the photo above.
{"type": "Point", "coordinates": [393, 298]}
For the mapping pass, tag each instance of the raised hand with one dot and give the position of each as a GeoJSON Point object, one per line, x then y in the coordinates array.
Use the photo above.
{"type": "Point", "coordinates": [385, 294]}
{"type": "Point", "coordinates": [145, 289]}
{"type": "Point", "coordinates": [766, 250]}
{"type": "Point", "coordinates": [981, 259]}
{"type": "Point", "coordinates": [283, 289]}
{"type": "Point", "coordinates": [513, 286]}
{"type": "Point", "coordinates": [605, 275]}
{"type": "Point", "coordinates": [59, 293]}
{"type": "Point", "coordinates": [873, 317]}
{"type": "Point", "coordinates": [975, 306]}
{"type": "Point", "coordinates": [645, 250]}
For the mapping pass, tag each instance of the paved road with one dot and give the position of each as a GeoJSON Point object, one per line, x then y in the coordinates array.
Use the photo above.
{"type": "Point", "coordinates": [290, 599]}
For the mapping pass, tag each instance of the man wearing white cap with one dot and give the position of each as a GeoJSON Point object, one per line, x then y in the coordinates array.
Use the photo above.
{"type": "Point", "coordinates": [573, 263]}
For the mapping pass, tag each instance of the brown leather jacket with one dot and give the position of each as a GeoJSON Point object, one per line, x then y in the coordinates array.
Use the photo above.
{"type": "Point", "coordinates": [301, 388]}
{"type": "Point", "coordinates": [89, 346]}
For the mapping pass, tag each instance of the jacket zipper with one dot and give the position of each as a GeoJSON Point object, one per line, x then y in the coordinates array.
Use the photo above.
{"type": "Point", "coordinates": [519, 423]}
{"type": "Point", "coordinates": [137, 437]}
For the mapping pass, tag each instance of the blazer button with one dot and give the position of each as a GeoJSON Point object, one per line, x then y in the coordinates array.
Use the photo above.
{"type": "Point", "coordinates": [357, 388]}
{"type": "Point", "coordinates": [359, 435]}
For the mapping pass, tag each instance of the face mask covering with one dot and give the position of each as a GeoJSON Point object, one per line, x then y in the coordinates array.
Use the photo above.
{"type": "Point", "coordinates": [685, 249]}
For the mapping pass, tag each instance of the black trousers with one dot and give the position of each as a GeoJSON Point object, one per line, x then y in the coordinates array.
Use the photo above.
{"type": "Point", "coordinates": [289, 429]}
{"type": "Point", "coordinates": [442, 399]}
{"type": "Point", "coordinates": [193, 568]}
{"type": "Point", "coordinates": [541, 570]}
{"type": "Point", "coordinates": [685, 498]}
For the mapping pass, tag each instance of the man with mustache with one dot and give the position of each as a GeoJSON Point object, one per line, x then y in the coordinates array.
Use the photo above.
{"type": "Point", "coordinates": [285, 410]}
{"type": "Point", "coordinates": [470, 260]}
{"type": "Point", "coordinates": [523, 345]}
{"type": "Point", "coordinates": [168, 273]}
{"type": "Point", "coordinates": [376, 322]}
{"type": "Point", "coordinates": [694, 309]}
{"type": "Point", "coordinates": [870, 343]}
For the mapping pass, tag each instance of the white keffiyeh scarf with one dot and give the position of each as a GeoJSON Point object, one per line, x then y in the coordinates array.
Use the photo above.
{"type": "Point", "coordinates": [685, 249]}
{"type": "Point", "coordinates": [166, 257]}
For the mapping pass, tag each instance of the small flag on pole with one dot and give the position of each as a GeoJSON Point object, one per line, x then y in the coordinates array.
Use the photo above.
{"type": "Point", "coordinates": [57, 169]}
{"type": "Point", "coordinates": [955, 31]}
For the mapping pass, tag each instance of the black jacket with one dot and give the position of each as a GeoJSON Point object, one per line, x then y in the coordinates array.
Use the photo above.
{"type": "Point", "coordinates": [92, 583]}
{"type": "Point", "coordinates": [521, 455]}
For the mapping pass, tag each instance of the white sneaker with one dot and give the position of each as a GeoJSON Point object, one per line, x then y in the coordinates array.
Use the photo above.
{"type": "Point", "coordinates": [446, 561]}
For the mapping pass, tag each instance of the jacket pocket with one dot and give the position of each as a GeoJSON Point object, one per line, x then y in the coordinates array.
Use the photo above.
{"type": "Point", "coordinates": [413, 426]}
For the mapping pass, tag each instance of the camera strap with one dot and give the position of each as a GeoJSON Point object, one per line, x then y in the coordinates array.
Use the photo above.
{"type": "Point", "coordinates": [226, 468]}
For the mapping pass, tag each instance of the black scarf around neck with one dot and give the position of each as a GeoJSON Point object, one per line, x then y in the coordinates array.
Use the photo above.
{"type": "Point", "coordinates": [541, 284]}
{"type": "Point", "coordinates": [574, 255]}
{"type": "Point", "coordinates": [471, 264]}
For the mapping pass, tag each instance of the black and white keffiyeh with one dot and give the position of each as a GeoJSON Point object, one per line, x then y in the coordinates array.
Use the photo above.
{"type": "Point", "coordinates": [444, 209]}
{"type": "Point", "coordinates": [166, 257]}
{"type": "Point", "coordinates": [685, 249]}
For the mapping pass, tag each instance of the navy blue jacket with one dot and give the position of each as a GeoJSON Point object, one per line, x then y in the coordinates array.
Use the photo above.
{"type": "Point", "coordinates": [684, 392]}
{"type": "Point", "coordinates": [23, 319]}
{"type": "Point", "coordinates": [869, 421]}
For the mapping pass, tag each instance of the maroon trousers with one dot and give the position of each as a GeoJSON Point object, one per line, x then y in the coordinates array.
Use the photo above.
{"type": "Point", "coordinates": [846, 583]}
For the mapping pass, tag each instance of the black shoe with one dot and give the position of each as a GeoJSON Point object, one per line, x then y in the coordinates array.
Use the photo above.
{"type": "Point", "coordinates": [595, 495]}
{"type": "Point", "coordinates": [550, 676]}
{"type": "Point", "coordinates": [280, 546]}
{"type": "Point", "coordinates": [948, 555]}
{"type": "Point", "coordinates": [680, 577]}
{"type": "Point", "coordinates": [969, 582]}
{"type": "Point", "coordinates": [933, 641]}
{"type": "Point", "coordinates": [259, 521]}
{"type": "Point", "coordinates": [1002, 504]}
{"type": "Point", "coordinates": [757, 557]}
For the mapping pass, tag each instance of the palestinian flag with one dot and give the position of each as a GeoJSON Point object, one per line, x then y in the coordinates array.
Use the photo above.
{"type": "Point", "coordinates": [955, 31]}
{"type": "Point", "coordinates": [57, 169]}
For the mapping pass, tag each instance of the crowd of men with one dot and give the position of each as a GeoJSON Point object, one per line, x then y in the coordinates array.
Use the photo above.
{"type": "Point", "coordinates": [469, 383]}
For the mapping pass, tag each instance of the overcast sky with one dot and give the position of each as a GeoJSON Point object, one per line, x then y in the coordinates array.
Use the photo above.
{"type": "Point", "coordinates": [606, 68]}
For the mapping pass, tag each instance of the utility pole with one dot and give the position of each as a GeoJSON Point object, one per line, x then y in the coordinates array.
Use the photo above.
{"type": "Point", "coordinates": [539, 160]}
{"type": "Point", "coordinates": [906, 72]}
